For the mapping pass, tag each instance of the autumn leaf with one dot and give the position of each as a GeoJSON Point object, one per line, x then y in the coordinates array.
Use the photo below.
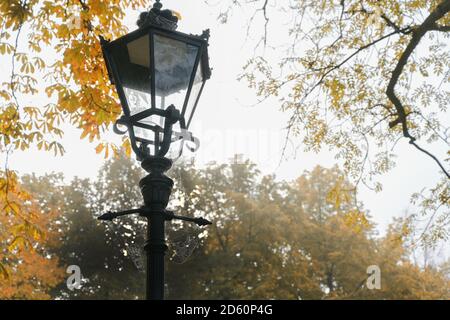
{"type": "Point", "coordinates": [4, 274]}
{"type": "Point", "coordinates": [19, 243]}
{"type": "Point", "coordinates": [99, 148]}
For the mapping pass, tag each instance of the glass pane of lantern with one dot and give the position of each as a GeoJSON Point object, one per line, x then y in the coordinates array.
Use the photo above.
{"type": "Point", "coordinates": [138, 101]}
{"type": "Point", "coordinates": [176, 145]}
{"type": "Point", "coordinates": [143, 133]}
{"type": "Point", "coordinates": [195, 92]}
{"type": "Point", "coordinates": [146, 134]}
{"type": "Point", "coordinates": [153, 120]}
{"type": "Point", "coordinates": [174, 64]}
{"type": "Point", "coordinates": [132, 61]}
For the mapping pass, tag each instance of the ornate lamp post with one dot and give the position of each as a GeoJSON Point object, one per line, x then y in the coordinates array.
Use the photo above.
{"type": "Point", "coordinates": [159, 75]}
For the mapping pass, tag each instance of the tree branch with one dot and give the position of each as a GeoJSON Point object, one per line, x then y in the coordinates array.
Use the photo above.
{"type": "Point", "coordinates": [438, 27]}
{"type": "Point", "coordinates": [417, 34]}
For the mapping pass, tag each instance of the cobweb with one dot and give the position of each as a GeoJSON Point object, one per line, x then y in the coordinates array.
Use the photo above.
{"type": "Point", "coordinates": [137, 255]}
{"type": "Point", "coordinates": [182, 244]}
{"type": "Point", "coordinates": [135, 250]}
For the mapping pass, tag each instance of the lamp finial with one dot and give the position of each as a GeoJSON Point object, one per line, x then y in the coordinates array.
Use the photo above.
{"type": "Point", "coordinates": [157, 17]}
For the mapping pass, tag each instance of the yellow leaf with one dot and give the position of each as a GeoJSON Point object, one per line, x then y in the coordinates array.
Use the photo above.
{"type": "Point", "coordinates": [127, 147]}
{"type": "Point", "coordinates": [177, 14]}
{"type": "Point", "coordinates": [12, 207]}
{"type": "Point", "coordinates": [106, 152]}
{"type": "Point", "coordinates": [99, 148]}
{"type": "Point", "coordinates": [4, 274]}
{"type": "Point", "coordinates": [19, 243]}
{"type": "Point", "coordinates": [84, 133]}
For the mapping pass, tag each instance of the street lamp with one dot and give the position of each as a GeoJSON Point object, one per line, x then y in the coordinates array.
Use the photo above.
{"type": "Point", "coordinates": [159, 75]}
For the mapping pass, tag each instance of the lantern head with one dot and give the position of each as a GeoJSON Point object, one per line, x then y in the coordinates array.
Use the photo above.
{"type": "Point", "coordinates": [159, 75]}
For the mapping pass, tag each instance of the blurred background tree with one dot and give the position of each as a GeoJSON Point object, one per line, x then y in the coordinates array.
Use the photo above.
{"type": "Point", "coordinates": [303, 239]}
{"type": "Point", "coordinates": [28, 268]}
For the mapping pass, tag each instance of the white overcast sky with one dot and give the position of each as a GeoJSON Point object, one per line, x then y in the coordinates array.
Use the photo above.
{"type": "Point", "coordinates": [228, 122]}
